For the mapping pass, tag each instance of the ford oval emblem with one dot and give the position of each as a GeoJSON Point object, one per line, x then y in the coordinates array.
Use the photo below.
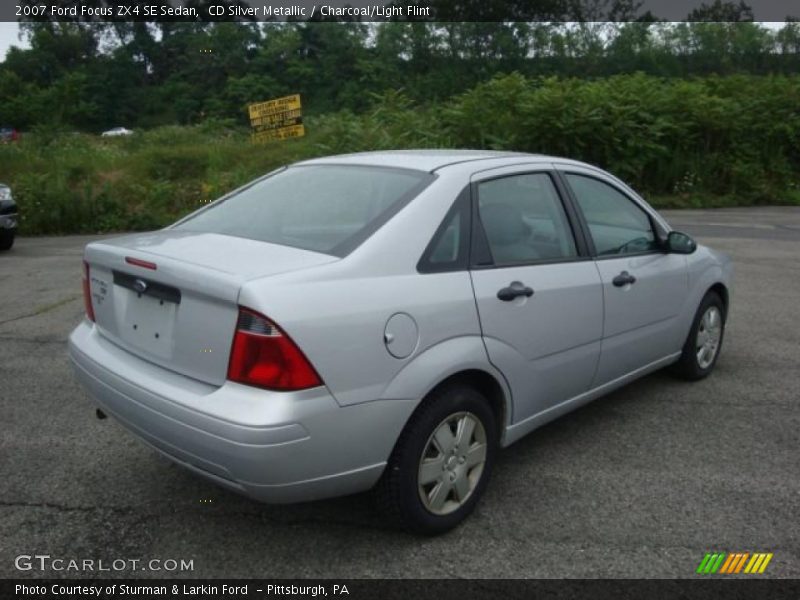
{"type": "Point", "coordinates": [139, 285]}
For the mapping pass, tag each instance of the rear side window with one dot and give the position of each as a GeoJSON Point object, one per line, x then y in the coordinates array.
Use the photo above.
{"type": "Point", "coordinates": [448, 250]}
{"type": "Point", "coordinates": [524, 220]}
{"type": "Point", "coordinates": [445, 252]}
{"type": "Point", "coordinates": [325, 208]}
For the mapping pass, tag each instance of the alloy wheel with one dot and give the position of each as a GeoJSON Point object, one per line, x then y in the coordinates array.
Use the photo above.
{"type": "Point", "coordinates": [709, 334]}
{"type": "Point", "coordinates": [452, 462]}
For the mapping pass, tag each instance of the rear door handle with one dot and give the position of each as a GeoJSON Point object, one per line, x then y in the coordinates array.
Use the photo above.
{"type": "Point", "coordinates": [623, 279]}
{"type": "Point", "coordinates": [514, 290]}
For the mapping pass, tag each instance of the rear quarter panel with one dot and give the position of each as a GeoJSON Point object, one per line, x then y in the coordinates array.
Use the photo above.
{"type": "Point", "coordinates": [337, 313]}
{"type": "Point", "coordinates": [339, 324]}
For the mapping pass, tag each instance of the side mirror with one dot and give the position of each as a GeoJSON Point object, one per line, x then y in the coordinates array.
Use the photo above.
{"type": "Point", "coordinates": [680, 243]}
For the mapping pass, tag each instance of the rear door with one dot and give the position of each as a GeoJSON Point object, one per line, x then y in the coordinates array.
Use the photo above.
{"type": "Point", "coordinates": [644, 288]}
{"type": "Point", "coordinates": [538, 292]}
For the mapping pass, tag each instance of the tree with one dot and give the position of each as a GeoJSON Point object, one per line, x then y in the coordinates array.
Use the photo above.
{"type": "Point", "coordinates": [721, 12]}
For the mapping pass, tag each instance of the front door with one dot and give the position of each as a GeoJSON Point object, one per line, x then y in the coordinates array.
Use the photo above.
{"type": "Point", "coordinates": [643, 287]}
{"type": "Point", "coordinates": [539, 298]}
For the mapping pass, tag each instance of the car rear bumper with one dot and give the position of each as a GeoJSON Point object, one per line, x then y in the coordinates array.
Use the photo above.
{"type": "Point", "coordinates": [272, 446]}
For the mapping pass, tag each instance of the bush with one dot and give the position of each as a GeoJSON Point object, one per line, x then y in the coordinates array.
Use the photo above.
{"type": "Point", "coordinates": [715, 141]}
{"type": "Point", "coordinates": [733, 136]}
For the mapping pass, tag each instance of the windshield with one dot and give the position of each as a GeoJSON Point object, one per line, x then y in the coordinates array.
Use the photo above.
{"type": "Point", "coordinates": [325, 208]}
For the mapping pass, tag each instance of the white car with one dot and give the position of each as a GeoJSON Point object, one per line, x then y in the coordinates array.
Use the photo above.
{"type": "Point", "coordinates": [116, 132]}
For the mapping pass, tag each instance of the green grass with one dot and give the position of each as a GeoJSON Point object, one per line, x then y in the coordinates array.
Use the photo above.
{"type": "Point", "coordinates": [697, 143]}
{"type": "Point", "coordinates": [86, 184]}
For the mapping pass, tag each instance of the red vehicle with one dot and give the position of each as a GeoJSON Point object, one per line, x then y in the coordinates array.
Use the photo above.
{"type": "Point", "coordinates": [8, 135]}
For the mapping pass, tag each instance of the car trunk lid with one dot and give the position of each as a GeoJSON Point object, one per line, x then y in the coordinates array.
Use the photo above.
{"type": "Point", "coordinates": [171, 297]}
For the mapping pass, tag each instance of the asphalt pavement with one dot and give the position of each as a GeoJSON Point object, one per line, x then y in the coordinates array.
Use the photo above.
{"type": "Point", "coordinates": [641, 483]}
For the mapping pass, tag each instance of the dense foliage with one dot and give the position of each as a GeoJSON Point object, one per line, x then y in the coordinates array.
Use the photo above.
{"type": "Point", "coordinates": [709, 141]}
{"type": "Point", "coordinates": [93, 76]}
{"type": "Point", "coordinates": [692, 114]}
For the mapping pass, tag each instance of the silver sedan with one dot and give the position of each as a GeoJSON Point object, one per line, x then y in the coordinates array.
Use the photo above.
{"type": "Point", "coordinates": [390, 320]}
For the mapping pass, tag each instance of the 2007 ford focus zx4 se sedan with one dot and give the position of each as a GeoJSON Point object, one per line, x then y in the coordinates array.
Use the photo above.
{"type": "Point", "coordinates": [390, 320]}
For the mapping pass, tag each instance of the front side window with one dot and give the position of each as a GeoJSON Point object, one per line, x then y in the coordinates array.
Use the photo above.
{"type": "Point", "coordinates": [325, 208]}
{"type": "Point", "coordinates": [524, 220]}
{"type": "Point", "coordinates": [617, 225]}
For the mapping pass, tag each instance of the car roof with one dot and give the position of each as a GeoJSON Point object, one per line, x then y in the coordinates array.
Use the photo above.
{"type": "Point", "coordinates": [422, 160]}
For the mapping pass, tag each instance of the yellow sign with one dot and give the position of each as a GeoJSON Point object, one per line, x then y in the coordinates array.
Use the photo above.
{"type": "Point", "coordinates": [281, 133]}
{"type": "Point", "coordinates": [277, 119]}
{"type": "Point", "coordinates": [272, 107]}
{"type": "Point", "coordinates": [291, 117]}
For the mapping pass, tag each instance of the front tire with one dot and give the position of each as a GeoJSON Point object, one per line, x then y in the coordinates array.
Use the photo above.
{"type": "Point", "coordinates": [703, 344]}
{"type": "Point", "coordinates": [441, 464]}
{"type": "Point", "coordinates": [6, 239]}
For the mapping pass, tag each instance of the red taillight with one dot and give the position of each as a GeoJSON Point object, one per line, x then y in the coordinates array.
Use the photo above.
{"type": "Point", "coordinates": [87, 293]}
{"type": "Point", "coordinates": [264, 356]}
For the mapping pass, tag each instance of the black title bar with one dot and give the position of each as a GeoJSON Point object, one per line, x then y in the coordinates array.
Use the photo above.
{"type": "Point", "coordinates": [732, 588]}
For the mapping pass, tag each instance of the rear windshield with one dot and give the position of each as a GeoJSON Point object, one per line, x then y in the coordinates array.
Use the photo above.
{"type": "Point", "coordinates": [325, 208]}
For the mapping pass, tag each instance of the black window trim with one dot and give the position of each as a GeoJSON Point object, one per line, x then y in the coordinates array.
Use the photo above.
{"type": "Point", "coordinates": [561, 173]}
{"type": "Point", "coordinates": [481, 255]}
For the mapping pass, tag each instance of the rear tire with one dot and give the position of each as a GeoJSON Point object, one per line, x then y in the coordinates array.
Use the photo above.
{"type": "Point", "coordinates": [704, 342]}
{"type": "Point", "coordinates": [6, 239]}
{"type": "Point", "coordinates": [441, 463]}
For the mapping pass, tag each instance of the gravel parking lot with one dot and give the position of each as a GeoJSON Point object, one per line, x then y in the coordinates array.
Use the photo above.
{"type": "Point", "coordinates": [641, 483]}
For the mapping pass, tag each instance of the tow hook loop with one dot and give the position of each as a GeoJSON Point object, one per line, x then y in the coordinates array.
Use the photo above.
{"type": "Point", "coordinates": [100, 414]}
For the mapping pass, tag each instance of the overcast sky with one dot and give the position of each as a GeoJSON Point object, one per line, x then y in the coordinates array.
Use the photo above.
{"type": "Point", "coordinates": [8, 38]}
